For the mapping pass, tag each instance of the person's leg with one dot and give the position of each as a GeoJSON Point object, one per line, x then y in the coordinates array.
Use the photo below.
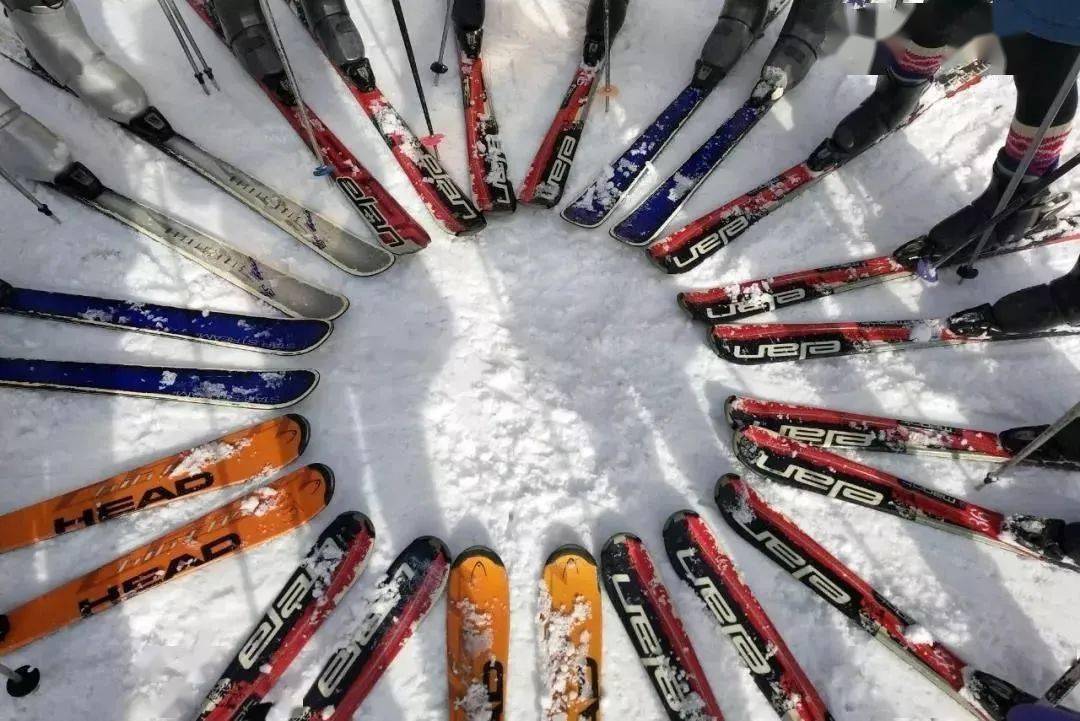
{"type": "Point", "coordinates": [911, 58]}
{"type": "Point", "coordinates": [1039, 67]}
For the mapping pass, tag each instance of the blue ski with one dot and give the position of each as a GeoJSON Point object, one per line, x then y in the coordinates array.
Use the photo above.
{"type": "Point", "coordinates": [651, 215]}
{"type": "Point", "coordinates": [273, 335]}
{"type": "Point", "coordinates": [596, 203]}
{"type": "Point", "coordinates": [242, 388]}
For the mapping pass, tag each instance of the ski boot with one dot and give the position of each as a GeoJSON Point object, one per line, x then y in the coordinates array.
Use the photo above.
{"type": "Point", "coordinates": [1061, 451]}
{"type": "Point", "coordinates": [1051, 537]}
{"type": "Point", "coordinates": [952, 232]}
{"type": "Point", "coordinates": [889, 106]}
{"type": "Point", "coordinates": [799, 44]}
{"type": "Point", "coordinates": [739, 25]}
{"type": "Point", "coordinates": [1025, 311]}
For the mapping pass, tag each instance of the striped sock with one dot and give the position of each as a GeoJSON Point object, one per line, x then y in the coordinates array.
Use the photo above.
{"type": "Point", "coordinates": [912, 63]}
{"type": "Point", "coordinates": [1047, 154]}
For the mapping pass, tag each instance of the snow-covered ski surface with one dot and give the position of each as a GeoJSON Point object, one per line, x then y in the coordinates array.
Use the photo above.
{"type": "Point", "coordinates": [527, 387]}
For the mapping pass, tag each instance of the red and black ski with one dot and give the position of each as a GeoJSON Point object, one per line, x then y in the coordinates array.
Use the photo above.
{"type": "Point", "coordinates": [813, 469]}
{"type": "Point", "coordinates": [396, 230]}
{"type": "Point", "coordinates": [757, 343]}
{"type": "Point", "coordinates": [985, 696]}
{"type": "Point", "coordinates": [688, 247]}
{"type": "Point", "coordinates": [549, 171]}
{"type": "Point", "coordinates": [488, 169]}
{"type": "Point", "coordinates": [697, 558]}
{"type": "Point", "coordinates": [446, 202]}
{"type": "Point", "coordinates": [736, 301]}
{"type": "Point", "coordinates": [309, 597]}
{"type": "Point", "coordinates": [839, 429]}
{"type": "Point", "coordinates": [399, 602]}
{"type": "Point", "coordinates": [649, 617]}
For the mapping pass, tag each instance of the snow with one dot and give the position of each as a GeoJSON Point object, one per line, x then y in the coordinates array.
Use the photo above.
{"type": "Point", "coordinates": [531, 386]}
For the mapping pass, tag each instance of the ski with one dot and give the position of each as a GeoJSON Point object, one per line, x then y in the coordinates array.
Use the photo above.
{"type": "Point", "coordinates": [251, 453]}
{"type": "Point", "coordinates": [549, 170]}
{"type": "Point", "coordinates": [310, 595]}
{"type": "Point", "coordinates": [756, 343]}
{"type": "Point", "coordinates": [334, 243]}
{"type": "Point", "coordinates": [644, 606]}
{"type": "Point", "coordinates": [571, 635]}
{"type": "Point", "coordinates": [332, 29]}
{"type": "Point", "coordinates": [399, 602]}
{"type": "Point", "coordinates": [262, 389]}
{"type": "Point", "coordinates": [273, 335]}
{"type": "Point", "coordinates": [689, 247]}
{"type": "Point", "coordinates": [35, 152]}
{"type": "Point", "coordinates": [393, 226]}
{"type": "Point", "coordinates": [806, 468]}
{"type": "Point", "coordinates": [488, 169]}
{"type": "Point", "coordinates": [650, 216]}
{"type": "Point", "coordinates": [737, 301]}
{"type": "Point", "coordinates": [697, 558]}
{"type": "Point", "coordinates": [261, 516]}
{"type": "Point", "coordinates": [984, 696]}
{"type": "Point", "coordinates": [478, 636]}
{"type": "Point", "coordinates": [615, 181]}
{"type": "Point", "coordinates": [839, 429]}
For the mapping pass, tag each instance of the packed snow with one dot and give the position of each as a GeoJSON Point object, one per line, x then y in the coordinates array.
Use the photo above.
{"type": "Point", "coordinates": [532, 386]}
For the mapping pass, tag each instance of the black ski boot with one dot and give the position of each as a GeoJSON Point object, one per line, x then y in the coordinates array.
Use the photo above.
{"type": "Point", "coordinates": [1061, 451]}
{"type": "Point", "coordinates": [1052, 537]}
{"type": "Point", "coordinates": [892, 102]}
{"type": "Point", "coordinates": [1025, 311]}
{"type": "Point", "coordinates": [954, 230]}
{"type": "Point", "coordinates": [799, 44]}
{"type": "Point", "coordinates": [740, 22]}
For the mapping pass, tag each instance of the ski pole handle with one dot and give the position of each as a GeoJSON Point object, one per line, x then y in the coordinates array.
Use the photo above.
{"type": "Point", "coordinates": [1035, 445]}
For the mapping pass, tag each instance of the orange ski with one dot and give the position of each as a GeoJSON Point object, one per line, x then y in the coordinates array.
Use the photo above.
{"type": "Point", "coordinates": [238, 457]}
{"type": "Point", "coordinates": [571, 633]}
{"type": "Point", "coordinates": [478, 635]}
{"type": "Point", "coordinates": [264, 514]}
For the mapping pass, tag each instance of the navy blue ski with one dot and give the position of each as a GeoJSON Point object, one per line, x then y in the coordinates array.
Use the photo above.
{"type": "Point", "coordinates": [243, 388]}
{"type": "Point", "coordinates": [597, 202]}
{"type": "Point", "coordinates": [274, 335]}
{"type": "Point", "coordinates": [651, 215]}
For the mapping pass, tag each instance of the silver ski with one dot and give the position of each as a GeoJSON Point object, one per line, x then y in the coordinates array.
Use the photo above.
{"type": "Point", "coordinates": [288, 294]}
{"type": "Point", "coordinates": [347, 251]}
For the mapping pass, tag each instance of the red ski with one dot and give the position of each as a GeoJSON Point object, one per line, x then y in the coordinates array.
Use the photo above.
{"type": "Point", "coordinates": [839, 429]}
{"type": "Point", "coordinates": [644, 606]}
{"type": "Point", "coordinates": [488, 169]}
{"type": "Point", "coordinates": [697, 558]}
{"type": "Point", "coordinates": [689, 247]}
{"type": "Point", "coordinates": [808, 468]}
{"type": "Point", "coordinates": [736, 301]}
{"type": "Point", "coordinates": [986, 697]}
{"type": "Point", "coordinates": [394, 227]}
{"type": "Point", "coordinates": [549, 170]}
{"type": "Point", "coordinates": [309, 597]}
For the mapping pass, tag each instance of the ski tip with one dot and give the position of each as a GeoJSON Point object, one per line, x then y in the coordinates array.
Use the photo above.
{"type": "Point", "coordinates": [438, 547]}
{"type": "Point", "coordinates": [328, 478]}
{"type": "Point", "coordinates": [678, 517]}
{"type": "Point", "coordinates": [477, 552]}
{"type": "Point", "coordinates": [305, 431]}
{"type": "Point", "coordinates": [729, 417]}
{"type": "Point", "coordinates": [356, 522]}
{"type": "Point", "coordinates": [682, 301]}
{"type": "Point", "coordinates": [569, 549]}
{"type": "Point", "coordinates": [621, 538]}
{"type": "Point", "coordinates": [725, 486]}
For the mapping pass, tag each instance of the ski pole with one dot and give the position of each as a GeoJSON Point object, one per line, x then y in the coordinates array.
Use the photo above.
{"type": "Point", "coordinates": [432, 139]}
{"type": "Point", "coordinates": [21, 681]}
{"type": "Point", "coordinates": [323, 169]}
{"type": "Point", "coordinates": [927, 269]}
{"type": "Point", "coordinates": [1065, 683]}
{"type": "Point", "coordinates": [207, 70]}
{"type": "Point", "coordinates": [607, 56]}
{"type": "Point", "coordinates": [1035, 445]}
{"type": "Point", "coordinates": [439, 67]}
{"type": "Point", "coordinates": [183, 45]}
{"type": "Point", "coordinates": [25, 192]}
{"type": "Point", "coordinates": [968, 270]}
